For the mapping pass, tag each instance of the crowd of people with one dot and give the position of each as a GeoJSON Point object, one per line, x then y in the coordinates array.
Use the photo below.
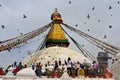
{"type": "Point", "coordinates": [75, 68]}
{"type": "Point", "coordinates": [15, 68]}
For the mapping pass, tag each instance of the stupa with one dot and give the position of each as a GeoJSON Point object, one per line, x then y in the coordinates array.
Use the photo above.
{"type": "Point", "coordinates": [56, 44]}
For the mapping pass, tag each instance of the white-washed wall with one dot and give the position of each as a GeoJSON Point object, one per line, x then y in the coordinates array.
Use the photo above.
{"type": "Point", "coordinates": [115, 69]}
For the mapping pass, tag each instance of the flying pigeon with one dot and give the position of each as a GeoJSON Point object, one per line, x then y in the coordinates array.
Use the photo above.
{"type": "Point", "coordinates": [110, 7]}
{"type": "Point", "coordinates": [2, 26]}
{"type": "Point", "coordinates": [17, 29]}
{"type": "Point", "coordinates": [24, 16]}
{"type": "Point", "coordinates": [99, 20]}
{"type": "Point", "coordinates": [105, 36]}
{"type": "Point", "coordinates": [70, 2]}
{"type": "Point", "coordinates": [88, 30]}
{"type": "Point", "coordinates": [93, 8]}
{"type": "Point", "coordinates": [110, 26]}
{"type": "Point", "coordinates": [118, 2]}
{"type": "Point", "coordinates": [76, 25]}
{"type": "Point", "coordinates": [88, 16]}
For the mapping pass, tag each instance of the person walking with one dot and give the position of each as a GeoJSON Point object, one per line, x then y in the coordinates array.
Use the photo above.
{"type": "Point", "coordinates": [69, 65]}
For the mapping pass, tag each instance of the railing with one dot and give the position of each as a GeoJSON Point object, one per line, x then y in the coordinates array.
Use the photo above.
{"type": "Point", "coordinates": [45, 78]}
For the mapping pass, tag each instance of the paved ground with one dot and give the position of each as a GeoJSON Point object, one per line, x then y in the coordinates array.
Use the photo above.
{"type": "Point", "coordinates": [29, 78]}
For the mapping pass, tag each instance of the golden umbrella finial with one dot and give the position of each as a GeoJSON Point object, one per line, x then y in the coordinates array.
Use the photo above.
{"type": "Point", "coordinates": [56, 10]}
{"type": "Point", "coordinates": [56, 13]}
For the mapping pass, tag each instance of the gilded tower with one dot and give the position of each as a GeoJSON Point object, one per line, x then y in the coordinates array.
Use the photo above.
{"type": "Point", "coordinates": [56, 36]}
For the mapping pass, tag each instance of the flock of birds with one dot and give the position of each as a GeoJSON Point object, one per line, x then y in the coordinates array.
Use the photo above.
{"type": "Point", "coordinates": [24, 16]}
{"type": "Point", "coordinates": [88, 16]}
{"type": "Point", "coordinates": [70, 2]}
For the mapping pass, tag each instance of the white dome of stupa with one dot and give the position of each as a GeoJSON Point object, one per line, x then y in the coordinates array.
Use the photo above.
{"type": "Point", "coordinates": [55, 53]}
{"type": "Point", "coordinates": [26, 72]}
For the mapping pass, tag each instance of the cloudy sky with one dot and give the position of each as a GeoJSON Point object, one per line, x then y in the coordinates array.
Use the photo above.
{"type": "Point", "coordinates": [38, 12]}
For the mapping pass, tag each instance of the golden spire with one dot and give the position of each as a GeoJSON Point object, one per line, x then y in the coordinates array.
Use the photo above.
{"type": "Point", "coordinates": [56, 36]}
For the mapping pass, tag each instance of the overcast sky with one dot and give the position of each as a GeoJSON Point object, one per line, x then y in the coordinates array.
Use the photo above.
{"type": "Point", "coordinates": [38, 14]}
